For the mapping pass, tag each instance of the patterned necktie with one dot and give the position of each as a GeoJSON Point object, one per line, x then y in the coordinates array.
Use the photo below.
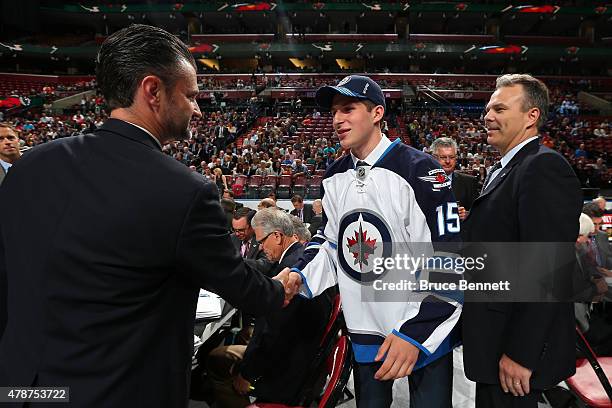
{"type": "Point", "coordinates": [495, 167]}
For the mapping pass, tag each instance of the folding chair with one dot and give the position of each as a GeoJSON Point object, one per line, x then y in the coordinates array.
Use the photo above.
{"type": "Point", "coordinates": [283, 191]}
{"type": "Point", "coordinates": [268, 185]}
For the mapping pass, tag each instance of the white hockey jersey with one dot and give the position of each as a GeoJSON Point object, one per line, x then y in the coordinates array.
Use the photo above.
{"type": "Point", "coordinates": [401, 204]}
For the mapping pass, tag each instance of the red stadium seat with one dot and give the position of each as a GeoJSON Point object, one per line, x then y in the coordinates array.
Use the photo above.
{"type": "Point", "coordinates": [591, 383]}
{"type": "Point", "coordinates": [331, 367]}
{"type": "Point", "coordinates": [283, 191]}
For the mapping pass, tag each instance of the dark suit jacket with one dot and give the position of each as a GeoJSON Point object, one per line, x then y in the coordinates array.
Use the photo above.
{"type": "Point", "coordinates": [604, 248]}
{"type": "Point", "coordinates": [465, 188]}
{"type": "Point", "coordinates": [308, 213]}
{"type": "Point", "coordinates": [285, 342]}
{"type": "Point", "coordinates": [256, 257]}
{"type": "Point", "coordinates": [536, 198]}
{"type": "Point", "coordinates": [103, 288]}
{"type": "Point", "coordinates": [315, 224]}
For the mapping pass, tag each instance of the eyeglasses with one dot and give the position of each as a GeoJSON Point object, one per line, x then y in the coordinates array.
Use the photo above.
{"type": "Point", "coordinates": [239, 230]}
{"type": "Point", "coordinates": [261, 241]}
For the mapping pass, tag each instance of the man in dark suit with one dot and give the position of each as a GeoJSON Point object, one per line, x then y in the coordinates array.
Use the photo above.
{"type": "Point", "coordinates": [464, 186]}
{"type": "Point", "coordinates": [301, 210]}
{"type": "Point", "coordinates": [599, 239]}
{"type": "Point", "coordinates": [274, 364]}
{"type": "Point", "coordinates": [9, 148]}
{"type": "Point", "coordinates": [515, 350]}
{"type": "Point", "coordinates": [245, 242]}
{"type": "Point", "coordinates": [102, 290]}
{"type": "Point", "coordinates": [317, 218]}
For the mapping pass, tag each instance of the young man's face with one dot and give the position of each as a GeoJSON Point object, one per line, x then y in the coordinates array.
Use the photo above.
{"type": "Point", "coordinates": [352, 121]}
{"type": "Point", "coordinates": [9, 143]}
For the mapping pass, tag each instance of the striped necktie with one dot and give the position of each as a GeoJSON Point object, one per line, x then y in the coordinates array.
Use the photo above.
{"type": "Point", "coordinates": [494, 168]}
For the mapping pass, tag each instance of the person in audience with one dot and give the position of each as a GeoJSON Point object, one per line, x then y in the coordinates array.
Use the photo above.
{"type": "Point", "coordinates": [245, 242]}
{"type": "Point", "coordinates": [601, 203]}
{"type": "Point", "coordinates": [263, 169]}
{"type": "Point", "coordinates": [302, 211]}
{"type": "Point", "coordinates": [274, 364]}
{"type": "Point", "coordinates": [589, 284]}
{"type": "Point", "coordinates": [9, 149]}
{"type": "Point", "coordinates": [301, 232]}
{"type": "Point", "coordinates": [599, 239]}
{"type": "Point", "coordinates": [129, 237]}
{"type": "Point", "coordinates": [220, 180]}
{"type": "Point", "coordinates": [299, 169]}
{"type": "Point", "coordinates": [464, 186]}
{"type": "Point", "coordinates": [317, 218]}
{"type": "Point", "coordinates": [266, 203]}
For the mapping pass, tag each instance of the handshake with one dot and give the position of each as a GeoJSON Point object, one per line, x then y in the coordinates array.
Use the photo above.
{"type": "Point", "coordinates": [291, 281]}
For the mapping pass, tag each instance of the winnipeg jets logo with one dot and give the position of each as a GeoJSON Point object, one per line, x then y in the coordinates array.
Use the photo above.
{"type": "Point", "coordinates": [362, 237]}
{"type": "Point", "coordinates": [438, 179]}
{"type": "Point", "coordinates": [361, 246]}
{"type": "Point", "coordinates": [344, 80]}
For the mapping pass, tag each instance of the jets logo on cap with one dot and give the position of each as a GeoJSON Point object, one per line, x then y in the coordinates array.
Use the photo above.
{"type": "Point", "coordinates": [345, 80]}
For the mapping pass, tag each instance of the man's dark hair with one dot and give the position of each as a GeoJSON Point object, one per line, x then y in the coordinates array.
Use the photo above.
{"type": "Point", "coordinates": [134, 52]}
{"type": "Point", "coordinates": [244, 212]}
{"type": "Point", "coordinates": [592, 210]}
{"type": "Point", "coordinates": [297, 199]}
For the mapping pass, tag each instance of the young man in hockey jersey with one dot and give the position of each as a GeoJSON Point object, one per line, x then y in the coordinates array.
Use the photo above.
{"type": "Point", "coordinates": [381, 200]}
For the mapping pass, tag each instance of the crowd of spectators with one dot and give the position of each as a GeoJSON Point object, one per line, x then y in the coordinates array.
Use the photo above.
{"type": "Point", "coordinates": [563, 133]}
{"type": "Point", "coordinates": [238, 142]}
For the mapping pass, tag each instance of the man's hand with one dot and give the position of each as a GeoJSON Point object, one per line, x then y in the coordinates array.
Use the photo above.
{"type": "Point", "coordinates": [400, 360]}
{"type": "Point", "coordinates": [463, 213]}
{"type": "Point", "coordinates": [604, 271]}
{"type": "Point", "coordinates": [513, 377]}
{"type": "Point", "coordinates": [291, 281]}
{"type": "Point", "coordinates": [241, 385]}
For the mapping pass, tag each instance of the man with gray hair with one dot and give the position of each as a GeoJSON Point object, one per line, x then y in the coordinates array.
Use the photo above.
{"type": "Point", "coordinates": [317, 218]}
{"type": "Point", "coordinates": [301, 233]}
{"type": "Point", "coordinates": [272, 367]}
{"type": "Point", "coordinates": [515, 350]}
{"type": "Point", "coordinates": [464, 186]}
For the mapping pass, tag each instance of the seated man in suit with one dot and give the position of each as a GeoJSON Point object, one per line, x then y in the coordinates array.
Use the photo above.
{"type": "Point", "coordinates": [317, 218]}
{"type": "Point", "coordinates": [465, 187]}
{"type": "Point", "coordinates": [300, 232]}
{"type": "Point", "coordinates": [273, 366]}
{"type": "Point", "coordinates": [244, 240]}
{"type": "Point", "coordinates": [301, 210]}
{"type": "Point", "coordinates": [599, 239]}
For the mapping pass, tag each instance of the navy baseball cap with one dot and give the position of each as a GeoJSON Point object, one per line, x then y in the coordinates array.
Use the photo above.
{"type": "Point", "coordinates": [355, 86]}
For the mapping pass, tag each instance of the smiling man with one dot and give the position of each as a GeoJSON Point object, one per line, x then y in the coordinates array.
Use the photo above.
{"type": "Point", "coordinates": [381, 197]}
{"type": "Point", "coordinates": [515, 350]}
{"type": "Point", "coordinates": [102, 289]}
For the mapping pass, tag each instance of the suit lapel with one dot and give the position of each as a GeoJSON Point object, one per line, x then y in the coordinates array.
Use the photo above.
{"type": "Point", "coordinates": [254, 248]}
{"type": "Point", "coordinates": [528, 149]}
